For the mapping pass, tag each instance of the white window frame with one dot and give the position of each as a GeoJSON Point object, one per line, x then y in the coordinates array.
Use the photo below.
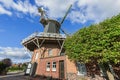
{"type": "Point", "coordinates": [48, 66]}
{"type": "Point", "coordinates": [50, 52]}
{"type": "Point", "coordinates": [36, 56]}
{"type": "Point", "coordinates": [81, 69]}
{"type": "Point", "coordinates": [29, 65]}
{"type": "Point", "coordinates": [53, 66]}
{"type": "Point", "coordinates": [28, 68]}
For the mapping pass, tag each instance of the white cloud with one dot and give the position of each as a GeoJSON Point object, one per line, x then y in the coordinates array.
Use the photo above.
{"type": "Point", "coordinates": [4, 11]}
{"type": "Point", "coordinates": [56, 8]}
{"type": "Point", "coordinates": [82, 10]}
{"type": "Point", "coordinates": [14, 53]}
{"type": "Point", "coordinates": [20, 6]}
{"type": "Point", "coordinates": [98, 10]}
{"type": "Point", "coordinates": [20, 60]}
{"type": "Point", "coordinates": [25, 7]}
{"type": "Point", "coordinates": [76, 16]}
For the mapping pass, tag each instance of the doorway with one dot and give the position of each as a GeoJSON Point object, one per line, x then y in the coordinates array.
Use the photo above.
{"type": "Point", "coordinates": [61, 69]}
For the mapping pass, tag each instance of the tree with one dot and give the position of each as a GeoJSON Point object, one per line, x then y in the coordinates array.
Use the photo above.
{"type": "Point", "coordinates": [98, 43]}
{"type": "Point", "coordinates": [7, 62]}
{"type": "Point", "coordinates": [4, 64]}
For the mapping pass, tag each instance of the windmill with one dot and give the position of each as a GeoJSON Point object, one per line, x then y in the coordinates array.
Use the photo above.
{"type": "Point", "coordinates": [44, 41]}
{"type": "Point", "coordinates": [50, 25]}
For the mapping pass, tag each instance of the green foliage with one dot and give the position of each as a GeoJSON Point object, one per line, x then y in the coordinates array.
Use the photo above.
{"type": "Point", "coordinates": [98, 42]}
{"type": "Point", "coordinates": [4, 64]}
{"type": "Point", "coordinates": [1, 66]}
{"type": "Point", "coordinates": [7, 62]}
{"type": "Point", "coordinates": [16, 68]}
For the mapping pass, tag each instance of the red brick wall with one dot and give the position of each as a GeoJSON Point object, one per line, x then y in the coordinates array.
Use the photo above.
{"type": "Point", "coordinates": [42, 66]}
{"type": "Point", "coordinates": [43, 51]}
{"type": "Point", "coordinates": [42, 61]}
{"type": "Point", "coordinates": [71, 67]}
{"type": "Point", "coordinates": [34, 55]}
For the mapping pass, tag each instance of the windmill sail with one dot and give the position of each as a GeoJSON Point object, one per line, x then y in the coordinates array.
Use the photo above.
{"type": "Point", "coordinates": [66, 14]}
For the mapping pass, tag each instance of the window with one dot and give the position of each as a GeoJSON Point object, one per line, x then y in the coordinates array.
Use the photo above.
{"type": "Point", "coordinates": [36, 57]}
{"type": "Point", "coordinates": [29, 65]}
{"type": "Point", "coordinates": [50, 52]}
{"type": "Point", "coordinates": [28, 68]}
{"type": "Point", "coordinates": [81, 68]}
{"type": "Point", "coordinates": [54, 66]}
{"type": "Point", "coordinates": [48, 66]}
{"type": "Point", "coordinates": [62, 52]}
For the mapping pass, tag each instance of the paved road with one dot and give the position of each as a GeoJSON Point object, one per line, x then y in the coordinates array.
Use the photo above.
{"type": "Point", "coordinates": [15, 76]}
{"type": "Point", "coordinates": [19, 76]}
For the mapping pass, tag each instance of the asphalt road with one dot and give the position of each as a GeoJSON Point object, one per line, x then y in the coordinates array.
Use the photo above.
{"type": "Point", "coordinates": [15, 76]}
{"type": "Point", "coordinates": [18, 76]}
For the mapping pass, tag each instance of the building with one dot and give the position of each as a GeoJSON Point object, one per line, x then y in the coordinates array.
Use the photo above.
{"type": "Point", "coordinates": [49, 55]}
{"type": "Point", "coordinates": [48, 58]}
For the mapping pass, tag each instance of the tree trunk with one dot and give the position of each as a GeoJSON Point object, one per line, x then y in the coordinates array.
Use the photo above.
{"type": "Point", "coordinates": [110, 75]}
{"type": "Point", "coordinates": [110, 72]}
{"type": "Point", "coordinates": [107, 71]}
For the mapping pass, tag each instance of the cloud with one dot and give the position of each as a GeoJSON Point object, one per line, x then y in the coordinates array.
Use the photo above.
{"type": "Point", "coordinates": [98, 10]}
{"type": "Point", "coordinates": [82, 10]}
{"type": "Point", "coordinates": [14, 53]}
{"type": "Point", "coordinates": [24, 7]}
{"type": "Point", "coordinates": [4, 11]}
{"type": "Point", "coordinates": [76, 16]}
{"type": "Point", "coordinates": [55, 8]}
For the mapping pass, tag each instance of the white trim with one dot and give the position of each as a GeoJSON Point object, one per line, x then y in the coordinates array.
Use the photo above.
{"type": "Point", "coordinates": [29, 65]}
{"type": "Point", "coordinates": [36, 56]}
{"type": "Point", "coordinates": [42, 34]}
{"type": "Point", "coordinates": [53, 66]}
{"type": "Point", "coordinates": [50, 52]}
{"type": "Point", "coordinates": [48, 66]}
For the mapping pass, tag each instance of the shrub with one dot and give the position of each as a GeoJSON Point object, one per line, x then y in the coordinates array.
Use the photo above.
{"type": "Point", "coordinates": [4, 64]}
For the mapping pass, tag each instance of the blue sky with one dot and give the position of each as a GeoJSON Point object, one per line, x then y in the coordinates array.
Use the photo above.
{"type": "Point", "coordinates": [20, 18]}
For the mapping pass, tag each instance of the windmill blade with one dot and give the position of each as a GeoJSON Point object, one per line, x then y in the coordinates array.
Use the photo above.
{"type": "Point", "coordinates": [66, 14]}
{"type": "Point", "coordinates": [64, 32]}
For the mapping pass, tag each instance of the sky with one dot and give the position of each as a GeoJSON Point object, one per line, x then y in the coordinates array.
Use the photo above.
{"type": "Point", "coordinates": [20, 18]}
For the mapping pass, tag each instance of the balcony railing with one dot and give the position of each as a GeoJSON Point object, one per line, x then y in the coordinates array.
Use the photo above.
{"type": "Point", "coordinates": [44, 35]}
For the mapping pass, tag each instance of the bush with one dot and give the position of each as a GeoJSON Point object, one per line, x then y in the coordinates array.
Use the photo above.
{"type": "Point", "coordinates": [4, 64]}
{"type": "Point", "coordinates": [7, 62]}
{"type": "Point", "coordinates": [16, 68]}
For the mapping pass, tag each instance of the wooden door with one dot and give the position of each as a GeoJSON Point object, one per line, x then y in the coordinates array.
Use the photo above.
{"type": "Point", "coordinates": [61, 69]}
